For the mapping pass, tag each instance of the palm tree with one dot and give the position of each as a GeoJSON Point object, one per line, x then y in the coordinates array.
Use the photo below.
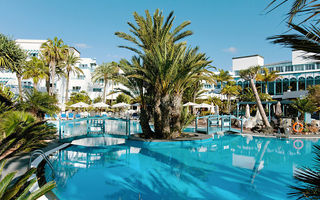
{"type": "Point", "coordinates": [105, 72]}
{"type": "Point", "coordinates": [304, 105]}
{"type": "Point", "coordinates": [12, 58]}
{"type": "Point", "coordinates": [222, 77]}
{"type": "Point", "coordinates": [70, 67]}
{"type": "Point", "coordinates": [299, 7]}
{"type": "Point", "coordinates": [250, 75]}
{"type": "Point", "coordinates": [230, 90]}
{"type": "Point", "coordinates": [19, 189]}
{"type": "Point", "coordinates": [22, 132]}
{"type": "Point", "coordinates": [309, 180]}
{"type": "Point", "coordinates": [40, 103]}
{"type": "Point", "coordinates": [35, 69]}
{"type": "Point", "coordinates": [306, 40]}
{"type": "Point", "coordinates": [267, 76]}
{"type": "Point", "coordinates": [167, 69]}
{"type": "Point", "coordinates": [54, 52]}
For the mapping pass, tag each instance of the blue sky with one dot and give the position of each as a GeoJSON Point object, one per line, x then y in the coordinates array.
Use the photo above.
{"type": "Point", "coordinates": [222, 29]}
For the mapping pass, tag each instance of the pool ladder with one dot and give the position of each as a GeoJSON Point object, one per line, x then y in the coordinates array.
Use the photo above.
{"type": "Point", "coordinates": [44, 156]}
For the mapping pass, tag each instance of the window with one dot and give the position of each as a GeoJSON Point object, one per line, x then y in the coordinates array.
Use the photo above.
{"type": "Point", "coordinates": [83, 65]}
{"type": "Point", "coordinates": [76, 88]}
{"type": "Point", "coordinates": [310, 66]}
{"type": "Point", "coordinates": [93, 65]}
{"type": "Point", "coordinates": [279, 69]}
{"type": "Point", "coordinates": [97, 89]}
{"type": "Point", "coordinates": [298, 67]}
{"type": "Point", "coordinates": [289, 68]}
{"type": "Point", "coordinates": [271, 69]}
{"type": "Point", "coordinates": [33, 54]}
{"type": "Point", "coordinates": [81, 77]}
{"type": "Point", "coordinates": [236, 73]}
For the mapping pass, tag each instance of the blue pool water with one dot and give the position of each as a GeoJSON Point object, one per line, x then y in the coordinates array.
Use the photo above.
{"type": "Point", "coordinates": [226, 167]}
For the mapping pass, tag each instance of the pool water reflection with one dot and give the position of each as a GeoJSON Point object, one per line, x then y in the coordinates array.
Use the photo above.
{"type": "Point", "coordinates": [227, 167]}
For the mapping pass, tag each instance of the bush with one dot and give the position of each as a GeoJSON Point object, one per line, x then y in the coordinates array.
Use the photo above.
{"type": "Point", "coordinates": [123, 98]}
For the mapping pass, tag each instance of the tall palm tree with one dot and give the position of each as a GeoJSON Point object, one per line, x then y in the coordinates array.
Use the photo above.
{"type": "Point", "coordinates": [54, 52]}
{"type": "Point", "coordinates": [69, 66]}
{"type": "Point", "coordinates": [105, 72]}
{"type": "Point", "coordinates": [12, 58]}
{"type": "Point", "coordinates": [250, 75]}
{"type": "Point", "coordinates": [230, 90]}
{"type": "Point", "coordinates": [167, 68]}
{"type": "Point", "coordinates": [222, 77]}
{"type": "Point", "coordinates": [307, 39]}
{"type": "Point", "coordinates": [299, 8]}
{"type": "Point", "coordinates": [267, 76]}
{"type": "Point", "coordinates": [35, 69]}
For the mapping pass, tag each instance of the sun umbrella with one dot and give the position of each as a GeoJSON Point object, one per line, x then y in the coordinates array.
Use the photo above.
{"type": "Point", "coordinates": [278, 109]}
{"type": "Point", "coordinates": [190, 104]}
{"type": "Point", "coordinates": [203, 105]}
{"type": "Point", "coordinates": [79, 105]}
{"type": "Point", "coordinates": [247, 115]}
{"type": "Point", "coordinates": [258, 115]}
{"type": "Point", "coordinates": [120, 105]}
{"type": "Point", "coordinates": [212, 108]}
{"type": "Point", "coordinates": [217, 110]}
{"type": "Point", "coordinates": [100, 105]}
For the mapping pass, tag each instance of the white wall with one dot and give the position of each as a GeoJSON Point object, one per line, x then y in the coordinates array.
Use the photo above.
{"type": "Point", "coordinates": [245, 62]}
{"type": "Point", "coordinates": [298, 57]}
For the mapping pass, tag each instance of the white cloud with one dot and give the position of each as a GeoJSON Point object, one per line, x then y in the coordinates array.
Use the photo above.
{"type": "Point", "coordinates": [82, 45]}
{"type": "Point", "coordinates": [113, 56]}
{"type": "Point", "coordinates": [231, 50]}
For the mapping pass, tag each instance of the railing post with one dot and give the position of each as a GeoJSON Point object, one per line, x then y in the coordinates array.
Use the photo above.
{"type": "Point", "coordinates": [59, 130]}
{"type": "Point", "coordinates": [241, 125]}
{"type": "Point", "coordinates": [208, 121]}
{"type": "Point", "coordinates": [196, 124]}
{"type": "Point", "coordinates": [229, 122]}
{"type": "Point", "coordinates": [222, 121]}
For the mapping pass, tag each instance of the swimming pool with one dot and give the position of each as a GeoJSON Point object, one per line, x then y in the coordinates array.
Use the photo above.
{"type": "Point", "coordinates": [226, 167]}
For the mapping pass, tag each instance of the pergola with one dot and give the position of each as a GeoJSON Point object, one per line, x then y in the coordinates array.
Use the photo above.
{"type": "Point", "coordinates": [268, 103]}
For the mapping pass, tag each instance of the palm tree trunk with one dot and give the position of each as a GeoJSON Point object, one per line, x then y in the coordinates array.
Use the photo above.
{"type": "Point", "coordinates": [104, 91]}
{"type": "Point", "coordinates": [67, 87]}
{"type": "Point", "coordinates": [19, 77]}
{"type": "Point", "coordinates": [266, 87]}
{"type": "Point", "coordinates": [176, 115]}
{"type": "Point", "coordinates": [165, 109]}
{"type": "Point", "coordinates": [259, 104]}
{"type": "Point", "coordinates": [157, 115]}
{"type": "Point", "coordinates": [53, 74]}
{"type": "Point", "coordinates": [145, 118]}
{"type": "Point", "coordinates": [229, 106]}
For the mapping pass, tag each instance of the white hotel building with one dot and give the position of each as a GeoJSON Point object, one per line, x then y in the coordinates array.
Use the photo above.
{"type": "Point", "coordinates": [77, 82]}
{"type": "Point", "coordinates": [295, 75]}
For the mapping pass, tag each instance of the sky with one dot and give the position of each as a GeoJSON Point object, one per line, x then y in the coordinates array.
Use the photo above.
{"type": "Point", "coordinates": [222, 29]}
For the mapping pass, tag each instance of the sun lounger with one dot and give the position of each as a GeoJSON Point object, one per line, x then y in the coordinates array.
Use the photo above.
{"type": "Point", "coordinates": [70, 116]}
{"type": "Point", "coordinates": [78, 116]}
{"type": "Point", "coordinates": [63, 116]}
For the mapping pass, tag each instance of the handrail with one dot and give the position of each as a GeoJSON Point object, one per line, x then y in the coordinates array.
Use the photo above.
{"type": "Point", "coordinates": [44, 156]}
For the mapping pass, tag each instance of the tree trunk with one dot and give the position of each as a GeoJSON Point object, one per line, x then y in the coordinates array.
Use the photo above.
{"type": "Point", "coordinates": [229, 106]}
{"type": "Point", "coordinates": [176, 115]}
{"type": "Point", "coordinates": [157, 115]}
{"type": "Point", "coordinates": [52, 66]}
{"type": "Point", "coordinates": [259, 104]}
{"type": "Point", "coordinates": [19, 77]}
{"type": "Point", "coordinates": [104, 91]}
{"type": "Point", "coordinates": [165, 108]}
{"type": "Point", "coordinates": [266, 87]}
{"type": "Point", "coordinates": [48, 85]}
{"type": "Point", "coordinates": [67, 87]}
